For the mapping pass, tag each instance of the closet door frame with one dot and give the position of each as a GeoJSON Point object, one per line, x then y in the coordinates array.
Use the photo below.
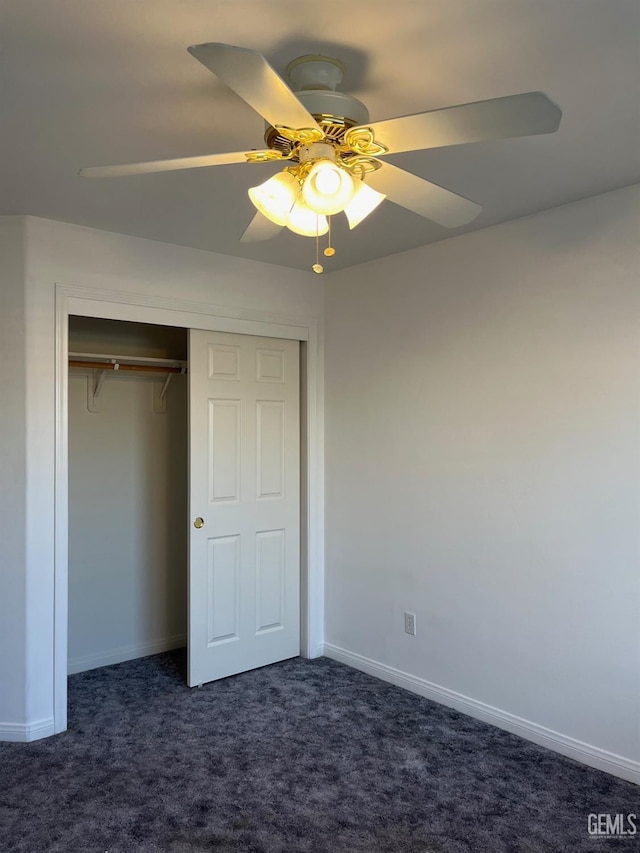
{"type": "Point", "coordinates": [132, 307]}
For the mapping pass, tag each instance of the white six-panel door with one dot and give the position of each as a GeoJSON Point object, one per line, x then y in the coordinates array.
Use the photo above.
{"type": "Point", "coordinates": [244, 559]}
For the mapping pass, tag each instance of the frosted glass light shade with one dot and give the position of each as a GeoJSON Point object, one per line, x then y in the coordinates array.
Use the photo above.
{"type": "Point", "coordinates": [364, 201]}
{"type": "Point", "coordinates": [327, 188]}
{"type": "Point", "coordinates": [304, 221]}
{"type": "Point", "coordinates": [275, 198]}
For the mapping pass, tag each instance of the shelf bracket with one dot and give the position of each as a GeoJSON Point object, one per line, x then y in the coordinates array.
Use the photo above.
{"type": "Point", "coordinates": [95, 381]}
{"type": "Point", "coordinates": [163, 390]}
{"type": "Point", "coordinates": [160, 393]}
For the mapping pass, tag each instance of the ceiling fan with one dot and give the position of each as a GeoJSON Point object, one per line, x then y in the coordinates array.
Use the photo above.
{"type": "Point", "coordinates": [334, 154]}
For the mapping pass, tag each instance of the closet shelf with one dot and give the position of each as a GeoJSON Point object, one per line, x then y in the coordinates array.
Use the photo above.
{"type": "Point", "coordinates": [100, 363]}
{"type": "Point", "coordinates": [120, 365]}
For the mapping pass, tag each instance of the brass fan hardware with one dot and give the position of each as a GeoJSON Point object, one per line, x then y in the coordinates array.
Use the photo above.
{"type": "Point", "coordinates": [302, 136]}
{"type": "Point", "coordinates": [334, 148]}
{"type": "Point", "coordinates": [266, 156]}
{"type": "Point", "coordinates": [361, 140]}
{"type": "Point", "coordinates": [360, 164]}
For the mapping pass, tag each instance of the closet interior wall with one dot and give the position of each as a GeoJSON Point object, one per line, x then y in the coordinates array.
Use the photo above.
{"type": "Point", "coordinates": [127, 498]}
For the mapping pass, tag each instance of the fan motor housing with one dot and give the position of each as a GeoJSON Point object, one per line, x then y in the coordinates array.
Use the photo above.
{"type": "Point", "coordinates": [314, 79]}
{"type": "Point", "coordinates": [335, 112]}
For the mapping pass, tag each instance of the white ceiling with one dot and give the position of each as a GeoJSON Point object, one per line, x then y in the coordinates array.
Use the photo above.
{"type": "Point", "coordinates": [94, 82]}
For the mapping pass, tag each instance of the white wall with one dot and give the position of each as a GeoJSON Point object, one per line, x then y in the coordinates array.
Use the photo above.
{"type": "Point", "coordinates": [127, 505]}
{"type": "Point", "coordinates": [483, 472]}
{"type": "Point", "coordinates": [105, 263]}
{"type": "Point", "coordinates": [12, 472]}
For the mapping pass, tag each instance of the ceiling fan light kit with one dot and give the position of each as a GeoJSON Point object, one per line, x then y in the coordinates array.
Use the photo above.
{"type": "Point", "coordinates": [363, 202]}
{"type": "Point", "coordinates": [332, 150]}
{"type": "Point", "coordinates": [328, 188]}
{"type": "Point", "coordinates": [276, 197]}
{"type": "Point", "coordinates": [306, 222]}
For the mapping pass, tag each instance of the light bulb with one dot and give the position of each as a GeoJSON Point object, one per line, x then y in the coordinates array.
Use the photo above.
{"type": "Point", "coordinates": [304, 221]}
{"type": "Point", "coordinates": [275, 198]}
{"type": "Point", "coordinates": [364, 201]}
{"type": "Point", "coordinates": [327, 188]}
{"type": "Point", "coordinates": [327, 181]}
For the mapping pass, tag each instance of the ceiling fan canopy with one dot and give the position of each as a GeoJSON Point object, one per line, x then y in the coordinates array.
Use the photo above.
{"type": "Point", "coordinates": [335, 157]}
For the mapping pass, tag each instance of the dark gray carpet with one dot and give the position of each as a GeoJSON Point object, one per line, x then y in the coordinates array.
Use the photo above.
{"type": "Point", "coordinates": [300, 756]}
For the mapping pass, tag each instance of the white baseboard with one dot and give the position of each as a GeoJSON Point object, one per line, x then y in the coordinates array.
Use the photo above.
{"type": "Point", "coordinates": [585, 753]}
{"type": "Point", "coordinates": [316, 651]}
{"type": "Point", "coordinates": [139, 650]}
{"type": "Point", "coordinates": [25, 732]}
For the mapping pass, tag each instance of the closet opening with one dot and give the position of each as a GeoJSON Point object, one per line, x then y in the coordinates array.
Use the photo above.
{"type": "Point", "coordinates": [128, 491]}
{"type": "Point", "coordinates": [183, 323]}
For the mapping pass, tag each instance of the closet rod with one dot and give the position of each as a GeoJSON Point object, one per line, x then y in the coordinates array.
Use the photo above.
{"type": "Point", "coordinates": [128, 359]}
{"type": "Point", "coordinates": [108, 365]}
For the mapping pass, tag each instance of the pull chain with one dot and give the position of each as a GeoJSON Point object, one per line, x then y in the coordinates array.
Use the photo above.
{"type": "Point", "coordinates": [329, 251]}
{"type": "Point", "coordinates": [317, 267]}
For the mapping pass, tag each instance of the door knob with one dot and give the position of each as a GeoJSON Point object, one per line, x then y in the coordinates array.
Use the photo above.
{"type": "Point", "coordinates": [199, 522]}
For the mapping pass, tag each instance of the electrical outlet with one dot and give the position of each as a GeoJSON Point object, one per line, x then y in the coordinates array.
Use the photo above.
{"type": "Point", "coordinates": [410, 623]}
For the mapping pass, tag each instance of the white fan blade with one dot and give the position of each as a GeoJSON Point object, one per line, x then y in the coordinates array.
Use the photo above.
{"type": "Point", "coordinates": [165, 165]}
{"type": "Point", "coordinates": [499, 118]}
{"type": "Point", "coordinates": [249, 74]}
{"type": "Point", "coordinates": [422, 197]}
{"type": "Point", "coordinates": [260, 228]}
